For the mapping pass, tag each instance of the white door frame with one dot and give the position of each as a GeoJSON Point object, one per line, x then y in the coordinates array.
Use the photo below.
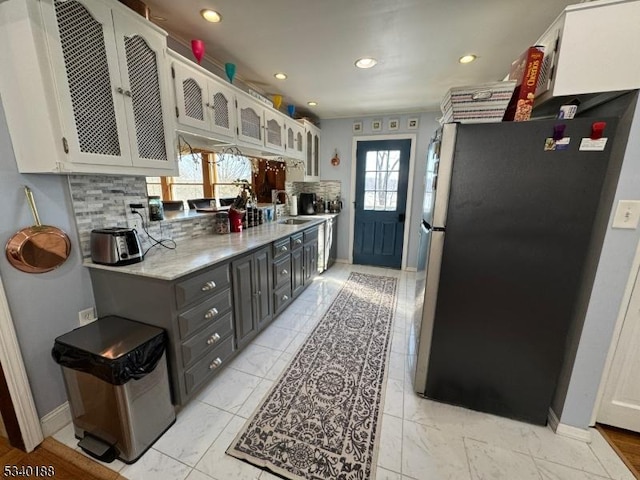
{"type": "Point", "coordinates": [16, 376]}
{"type": "Point", "coordinates": [634, 276]}
{"type": "Point", "coordinates": [354, 161]}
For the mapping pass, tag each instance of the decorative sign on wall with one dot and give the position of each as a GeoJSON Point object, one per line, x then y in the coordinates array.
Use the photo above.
{"type": "Point", "coordinates": [376, 125]}
{"type": "Point", "coordinates": [412, 124]}
{"type": "Point", "coordinates": [394, 123]}
{"type": "Point", "coordinates": [357, 127]}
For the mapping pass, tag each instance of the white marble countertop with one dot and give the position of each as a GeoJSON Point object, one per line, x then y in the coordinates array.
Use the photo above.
{"type": "Point", "coordinates": [193, 254]}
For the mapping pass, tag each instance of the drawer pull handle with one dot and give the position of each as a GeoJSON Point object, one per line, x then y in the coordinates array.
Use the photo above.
{"type": "Point", "coordinates": [298, 241]}
{"type": "Point", "coordinates": [284, 272]}
{"type": "Point", "coordinates": [285, 298]}
{"type": "Point", "coordinates": [215, 364]}
{"type": "Point", "coordinates": [283, 248]}
{"type": "Point", "coordinates": [213, 339]}
{"type": "Point", "coordinates": [210, 285]}
{"type": "Point", "coordinates": [211, 313]}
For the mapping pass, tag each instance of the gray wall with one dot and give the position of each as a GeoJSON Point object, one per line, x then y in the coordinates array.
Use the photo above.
{"type": "Point", "coordinates": [579, 385]}
{"type": "Point", "coordinates": [338, 135]}
{"type": "Point", "coordinates": [45, 305]}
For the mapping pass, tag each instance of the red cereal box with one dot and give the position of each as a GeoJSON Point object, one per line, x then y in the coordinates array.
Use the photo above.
{"type": "Point", "coordinates": [525, 71]}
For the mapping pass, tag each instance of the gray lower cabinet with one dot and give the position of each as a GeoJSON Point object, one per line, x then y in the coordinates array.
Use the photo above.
{"type": "Point", "coordinates": [195, 311]}
{"type": "Point", "coordinates": [252, 294]}
{"type": "Point", "coordinates": [211, 314]}
{"type": "Point", "coordinates": [310, 255]}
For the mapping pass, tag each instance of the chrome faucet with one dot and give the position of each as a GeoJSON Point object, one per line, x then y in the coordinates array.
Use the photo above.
{"type": "Point", "coordinates": [274, 200]}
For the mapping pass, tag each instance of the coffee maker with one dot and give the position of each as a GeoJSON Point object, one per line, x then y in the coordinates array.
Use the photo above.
{"type": "Point", "coordinates": [307, 204]}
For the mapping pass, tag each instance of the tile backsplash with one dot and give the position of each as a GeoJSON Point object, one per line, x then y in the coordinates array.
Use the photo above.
{"type": "Point", "coordinates": [101, 201]}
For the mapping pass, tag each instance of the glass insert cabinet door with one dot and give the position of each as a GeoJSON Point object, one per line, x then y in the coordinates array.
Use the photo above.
{"type": "Point", "coordinates": [382, 170]}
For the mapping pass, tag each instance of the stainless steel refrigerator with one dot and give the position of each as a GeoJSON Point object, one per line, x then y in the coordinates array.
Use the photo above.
{"type": "Point", "coordinates": [507, 226]}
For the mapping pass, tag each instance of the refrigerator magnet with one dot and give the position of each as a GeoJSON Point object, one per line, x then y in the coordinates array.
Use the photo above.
{"type": "Point", "coordinates": [591, 145]}
{"type": "Point", "coordinates": [551, 145]}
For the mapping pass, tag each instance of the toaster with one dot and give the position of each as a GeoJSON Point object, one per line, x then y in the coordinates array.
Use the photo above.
{"type": "Point", "coordinates": [115, 246]}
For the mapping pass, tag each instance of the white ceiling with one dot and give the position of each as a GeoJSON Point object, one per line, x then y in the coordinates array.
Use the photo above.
{"type": "Point", "coordinates": [316, 42]}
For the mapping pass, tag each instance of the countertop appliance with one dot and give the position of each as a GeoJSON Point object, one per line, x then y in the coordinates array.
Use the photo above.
{"type": "Point", "coordinates": [307, 204]}
{"type": "Point", "coordinates": [115, 246]}
{"type": "Point", "coordinates": [508, 227]}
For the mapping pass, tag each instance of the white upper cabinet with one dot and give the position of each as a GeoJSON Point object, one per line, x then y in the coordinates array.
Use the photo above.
{"type": "Point", "coordinates": [205, 105]}
{"type": "Point", "coordinates": [250, 121]}
{"type": "Point", "coordinates": [90, 79]}
{"type": "Point", "coordinates": [309, 155]}
{"type": "Point", "coordinates": [274, 137]}
{"type": "Point", "coordinates": [590, 48]}
{"type": "Point", "coordinates": [294, 139]}
{"type": "Point", "coordinates": [312, 151]}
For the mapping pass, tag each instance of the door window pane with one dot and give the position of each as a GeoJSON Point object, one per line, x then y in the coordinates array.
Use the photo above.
{"type": "Point", "coordinates": [382, 169]}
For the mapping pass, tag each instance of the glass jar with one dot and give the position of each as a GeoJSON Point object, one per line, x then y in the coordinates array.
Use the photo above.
{"type": "Point", "coordinates": [221, 223]}
{"type": "Point", "coordinates": [156, 210]}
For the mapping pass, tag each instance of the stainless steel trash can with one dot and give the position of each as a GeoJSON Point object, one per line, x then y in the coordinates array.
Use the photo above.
{"type": "Point", "coordinates": [115, 373]}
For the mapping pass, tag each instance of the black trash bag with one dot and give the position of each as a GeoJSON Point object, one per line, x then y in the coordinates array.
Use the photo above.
{"type": "Point", "coordinates": [135, 364]}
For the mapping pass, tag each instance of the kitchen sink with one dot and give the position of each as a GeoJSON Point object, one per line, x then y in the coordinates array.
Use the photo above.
{"type": "Point", "coordinates": [293, 221]}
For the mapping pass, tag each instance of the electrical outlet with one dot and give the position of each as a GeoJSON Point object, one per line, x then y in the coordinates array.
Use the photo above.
{"type": "Point", "coordinates": [134, 221]}
{"type": "Point", "coordinates": [87, 315]}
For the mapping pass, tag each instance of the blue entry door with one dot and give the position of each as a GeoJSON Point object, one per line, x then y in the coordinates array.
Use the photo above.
{"type": "Point", "coordinates": [382, 171]}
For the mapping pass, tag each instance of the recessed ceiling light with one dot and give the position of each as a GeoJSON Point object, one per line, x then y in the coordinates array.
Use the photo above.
{"type": "Point", "coordinates": [211, 15]}
{"type": "Point", "coordinates": [280, 76]}
{"type": "Point", "coordinates": [366, 62]}
{"type": "Point", "coordinates": [312, 104]}
{"type": "Point", "coordinates": [467, 58]}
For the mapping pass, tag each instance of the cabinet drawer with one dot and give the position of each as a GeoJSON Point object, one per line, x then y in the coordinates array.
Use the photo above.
{"type": "Point", "coordinates": [208, 366]}
{"type": "Point", "coordinates": [310, 235]}
{"type": "Point", "coordinates": [281, 272]}
{"type": "Point", "coordinates": [281, 298]}
{"type": "Point", "coordinates": [281, 247]}
{"type": "Point", "coordinates": [296, 241]}
{"type": "Point", "coordinates": [208, 339]}
{"type": "Point", "coordinates": [204, 313]}
{"type": "Point", "coordinates": [202, 285]}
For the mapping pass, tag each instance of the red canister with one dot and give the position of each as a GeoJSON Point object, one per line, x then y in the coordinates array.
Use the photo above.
{"type": "Point", "coordinates": [235, 219]}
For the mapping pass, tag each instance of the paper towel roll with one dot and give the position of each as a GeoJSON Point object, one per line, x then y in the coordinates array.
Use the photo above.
{"type": "Point", "coordinates": [293, 207]}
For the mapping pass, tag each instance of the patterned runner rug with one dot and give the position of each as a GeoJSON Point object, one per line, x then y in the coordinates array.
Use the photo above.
{"type": "Point", "coordinates": [321, 419]}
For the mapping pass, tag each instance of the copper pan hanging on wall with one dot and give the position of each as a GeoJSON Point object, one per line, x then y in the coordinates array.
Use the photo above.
{"type": "Point", "coordinates": [39, 248]}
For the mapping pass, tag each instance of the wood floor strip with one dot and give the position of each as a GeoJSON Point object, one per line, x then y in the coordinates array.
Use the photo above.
{"type": "Point", "coordinates": [625, 443]}
{"type": "Point", "coordinates": [66, 463]}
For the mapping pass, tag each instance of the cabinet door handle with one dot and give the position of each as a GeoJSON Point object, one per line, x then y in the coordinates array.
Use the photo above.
{"type": "Point", "coordinates": [210, 285]}
{"type": "Point", "coordinates": [211, 313]}
{"type": "Point", "coordinates": [213, 339]}
{"type": "Point", "coordinates": [285, 298]}
{"type": "Point", "coordinates": [284, 272]}
{"type": "Point", "coordinates": [127, 93]}
{"type": "Point", "coordinates": [298, 241]}
{"type": "Point", "coordinates": [120, 90]}
{"type": "Point", "coordinates": [215, 364]}
{"type": "Point", "coordinates": [207, 104]}
{"type": "Point", "coordinates": [284, 248]}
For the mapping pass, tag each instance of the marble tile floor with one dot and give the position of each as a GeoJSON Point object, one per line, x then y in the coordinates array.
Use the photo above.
{"type": "Point", "coordinates": [420, 439]}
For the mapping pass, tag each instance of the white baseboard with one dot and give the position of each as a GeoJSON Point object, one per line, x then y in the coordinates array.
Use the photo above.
{"type": "Point", "coordinates": [582, 434]}
{"type": "Point", "coordinates": [411, 269]}
{"type": "Point", "coordinates": [342, 260]}
{"type": "Point", "coordinates": [56, 419]}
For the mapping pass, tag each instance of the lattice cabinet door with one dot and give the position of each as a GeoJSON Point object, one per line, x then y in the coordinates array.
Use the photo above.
{"type": "Point", "coordinates": [191, 94]}
{"type": "Point", "coordinates": [294, 139]}
{"type": "Point", "coordinates": [274, 137]}
{"type": "Point", "coordinates": [85, 67]}
{"type": "Point", "coordinates": [221, 107]}
{"type": "Point", "coordinates": [145, 77]}
{"type": "Point", "coordinates": [250, 123]}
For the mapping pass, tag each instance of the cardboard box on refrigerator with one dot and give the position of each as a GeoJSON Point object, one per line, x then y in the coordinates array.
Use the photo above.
{"type": "Point", "coordinates": [525, 71]}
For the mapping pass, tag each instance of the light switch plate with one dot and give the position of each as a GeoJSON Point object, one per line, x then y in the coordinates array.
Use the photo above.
{"type": "Point", "coordinates": [627, 214]}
